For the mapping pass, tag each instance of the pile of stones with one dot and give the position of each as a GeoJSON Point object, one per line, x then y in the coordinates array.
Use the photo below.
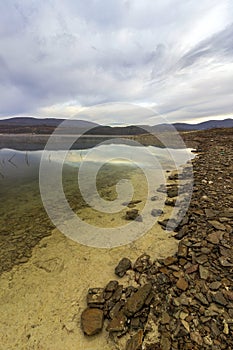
{"type": "Point", "coordinates": [188, 296]}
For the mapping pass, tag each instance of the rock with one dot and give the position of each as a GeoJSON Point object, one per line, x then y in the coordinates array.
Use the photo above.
{"type": "Point", "coordinates": [165, 342]}
{"type": "Point", "coordinates": [95, 297]}
{"type": "Point", "coordinates": [170, 202]}
{"type": "Point", "coordinates": [170, 260]}
{"type": "Point", "coordinates": [217, 225]}
{"type": "Point", "coordinates": [204, 272]}
{"type": "Point", "coordinates": [123, 266]}
{"type": "Point", "coordinates": [201, 298]}
{"type": "Point", "coordinates": [117, 324]}
{"type": "Point", "coordinates": [182, 284]}
{"type": "Point", "coordinates": [182, 250]}
{"type": "Point", "coordinates": [156, 212]}
{"type": "Point", "coordinates": [215, 285]}
{"type": "Point", "coordinates": [218, 298]}
{"type": "Point", "coordinates": [92, 321]}
{"type": "Point", "coordinates": [192, 269]}
{"type": "Point", "coordinates": [142, 263]}
{"type": "Point", "coordinates": [131, 214]}
{"type": "Point", "coordinates": [186, 325]}
{"type": "Point", "coordinates": [118, 293]}
{"type": "Point", "coordinates": [213, 238]}
{"type": "Point", "coordinates": [196, 337]}
{"type": "Point", "coordinates": [210, 214]}
{"type": "Point", "coordinates": [154, 198]}
{"type": "Point", "coordinates": [228, 294]}
{"type": "Point", "coordinates": [165, 319]}
{"type": "Point", "coordinates": [172, 191]}
{"type": "Point", "coordinates": [111, 286]}
{"type": "Point", "coordinates": [135, 302]}
{"type": "Point", "coordinates": [135, 343]}
{"type": "Point", "coordinates": [224, 261]}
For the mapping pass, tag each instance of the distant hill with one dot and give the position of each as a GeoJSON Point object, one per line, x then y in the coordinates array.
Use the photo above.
{"type": "Point", "coordinates": [210, 124]}
{"type": "Point", "coordinates": [20, 125]}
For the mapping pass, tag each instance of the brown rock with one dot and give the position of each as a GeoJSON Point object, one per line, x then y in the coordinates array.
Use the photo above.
{"type": "Point", "coordinates": [217, 225]}
{"type": "Point", "coordinates": [204, 272]}
{"type": "Point", "coordinates": [135, 343]}
{"type": "Point", "coordinates": [182, 284]}
{"type": "Point", "coordinates": [196, 337]}
{"type": "Point", "coordinates": [182, 250]}
{"type": "Point", "coordinates": [92, 321]}
{"type": "Point", "coordinates": [192, 269]}
{"type": "Point", "coordinates": [169, 260]}
{"type": "Point", "coordinates": [215, 285]}
{"type": "Point", "coordinates": [95, 297]}
{"type": "Point", "coordinates": [137, 300]}
{"type": "Point", "coordinates": [111, 286]}
{"type": "Point", "coordinates": [142, 263]}
{"type": "Point", "coordinates": [117, 324]}
{"type": "Point", "coordinates": [123, 266]}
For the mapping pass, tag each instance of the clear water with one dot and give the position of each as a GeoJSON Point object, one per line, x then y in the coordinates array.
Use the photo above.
{"type": "Point", "coordinates": [24, 220]}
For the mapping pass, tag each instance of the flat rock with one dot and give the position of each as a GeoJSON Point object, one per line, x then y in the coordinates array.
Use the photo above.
{"type": "Point", "coordinates": [92, 321]}
{"type": "Point", "coordinates": [204, 272]}
{"type": "Point", "coordinates": [136, 301]}
{"type": "Point", "coordinates": [182, 284]}
{"type": "Point", "coordinates": [217, 225]}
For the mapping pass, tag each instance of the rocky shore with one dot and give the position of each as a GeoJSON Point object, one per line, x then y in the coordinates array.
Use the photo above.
{"type": "Point", "coordinates": [184, 301]}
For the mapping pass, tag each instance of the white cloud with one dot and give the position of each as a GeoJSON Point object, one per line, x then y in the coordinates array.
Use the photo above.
{"type": "Point", "coordinates": [56, 57]}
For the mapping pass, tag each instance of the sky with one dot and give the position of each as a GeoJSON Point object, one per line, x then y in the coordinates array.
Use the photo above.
{"type": "Point", "coordinates": [175, 57]}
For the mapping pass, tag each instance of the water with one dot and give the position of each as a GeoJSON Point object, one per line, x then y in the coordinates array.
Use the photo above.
{"type": "Point", "coordinates": [24, 221]}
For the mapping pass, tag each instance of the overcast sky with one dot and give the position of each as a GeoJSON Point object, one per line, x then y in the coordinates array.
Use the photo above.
{"type": "Point", "coordinates": [175, 56]}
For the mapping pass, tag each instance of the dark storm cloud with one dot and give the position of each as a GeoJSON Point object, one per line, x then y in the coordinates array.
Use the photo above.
{"type": "Point", "coordinates": [58, 56]}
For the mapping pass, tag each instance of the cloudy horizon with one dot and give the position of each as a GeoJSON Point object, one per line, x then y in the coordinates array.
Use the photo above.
{"type": "Point", "coordinates": [174, 57]}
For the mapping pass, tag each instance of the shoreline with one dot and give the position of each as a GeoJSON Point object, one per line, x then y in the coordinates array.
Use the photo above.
{"type": "Point", "coordinates": [192, 283]}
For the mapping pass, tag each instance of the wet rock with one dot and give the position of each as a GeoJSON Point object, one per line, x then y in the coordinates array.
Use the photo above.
{"type": "Point", "coordinates": [172, 191]}
{"type": "Point", "coordinates": [92, 321]}
{"type": "Point", "coordinates": [137, 300]}
{"type": "Point", "coordinates": [123, 266]}
{"type": "Point", "coordinates": [156, 212]}
{"type": "Point", "coordinates": [132, 214]}
{"type": "Point", "coordinates": [170, 202]}
{"type": "Point", "coordinates": [135, 343]}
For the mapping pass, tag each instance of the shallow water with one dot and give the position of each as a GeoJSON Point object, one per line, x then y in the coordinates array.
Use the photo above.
{"type": "Point", "coordinates": [24, 221]}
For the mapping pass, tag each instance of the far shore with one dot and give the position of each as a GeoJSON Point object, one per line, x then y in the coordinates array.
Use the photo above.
{"type": "Point", "coordinates": [35, 142]}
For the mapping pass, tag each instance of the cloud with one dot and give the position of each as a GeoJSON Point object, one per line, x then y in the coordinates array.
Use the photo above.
{"type": "Point", "coordinates": [57, 57]}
